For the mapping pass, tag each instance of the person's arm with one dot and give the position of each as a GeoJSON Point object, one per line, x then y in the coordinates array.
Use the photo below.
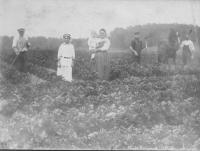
{"type": "Point", "coordinates": [59, 54]}
{"type": "Point", "coordinates": [91, 46]}
{"type": "Point", "coordinates": [73, 52]}
{"type": "Point", "coordinates": [132, 49]}
{"type": "Point", "coordinates": [143, 44]}
{"type": "Point", "coordinates": [182, 44]}
{"type": "Point", "coordinates": [73, 55]}
{"type": "Point", "coordinates": [191, 46]}
{"type": "Point", "coordinates": [105, 46]}
{"type": "Point", "coordinates": [14, 45]}
{"type": "Point", "coordinates": [27, 44]}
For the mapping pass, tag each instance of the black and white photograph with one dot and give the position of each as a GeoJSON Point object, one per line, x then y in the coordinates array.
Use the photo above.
{"type": "Point", "coordinates": [100, 75]}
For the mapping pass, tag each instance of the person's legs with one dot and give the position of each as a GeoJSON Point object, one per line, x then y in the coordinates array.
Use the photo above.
{"type": "Point", "coordinates": [67, 74]}
{"type": "Point", "coordinates": [18, 62]}
{"type": "Point", "coordinates": [23, 62]}
{"type": "Point", "coordinates": [92, 65]}
{"type": "Point", "coordinates": [59, 71]}
{"type": "Point", "coordinates": [184, 58]}
{"type": "Point", "coordinates": [189, 58]}
{"type": "Point", "coordinates": [99, 58]}
{"type": "Point", "coordinates": [132, 58]}
{"type": "Point", "coordinates": [174, 58]}
{"type": "Point", "coordinates": [138, 58]}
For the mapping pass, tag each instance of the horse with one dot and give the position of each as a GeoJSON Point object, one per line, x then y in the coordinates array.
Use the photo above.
{"type": "Point", "coordinates": [167, 48]}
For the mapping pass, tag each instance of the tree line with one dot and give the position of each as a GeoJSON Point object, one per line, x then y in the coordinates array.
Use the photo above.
{"type": "Point", "coordinates": [120, 37]}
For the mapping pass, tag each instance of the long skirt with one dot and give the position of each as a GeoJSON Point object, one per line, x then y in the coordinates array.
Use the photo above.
{"type": "Point", "coordinates": [186, 57]}
{"type": "Point", "coordinates": [65, 69]}
{"type": "Point", "coordinates": [102, 65]}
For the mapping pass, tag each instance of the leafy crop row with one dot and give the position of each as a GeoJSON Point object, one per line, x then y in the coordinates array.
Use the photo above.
{"type": "Point", "coordinates": [134, 112]}
{"type": "Point", "coordinates": [140, 107]}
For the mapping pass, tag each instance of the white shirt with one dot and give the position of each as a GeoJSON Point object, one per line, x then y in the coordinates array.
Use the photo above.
{"type": "Point", "coordinates": [92, 43]}
{"type": "Point", "coordinates": [106, 44]}
{"type": "Point", "coordinates": [20, 43]}
{"type": "Point", "coordinates": [188, 43]}
{"type": "Point", "coordinates": [66, 50]}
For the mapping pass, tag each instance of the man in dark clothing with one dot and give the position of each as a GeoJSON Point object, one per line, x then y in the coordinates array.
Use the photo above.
{"type": "Point", "coordinates": [136, 47]}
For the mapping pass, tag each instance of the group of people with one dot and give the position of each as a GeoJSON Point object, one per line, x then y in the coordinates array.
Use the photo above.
{"type": "Point", "coordinates": [98, 44]}
{"type": "Point", "coordinates": [176, 44]}
{"type": "Point", "coordinates": [98, 47]}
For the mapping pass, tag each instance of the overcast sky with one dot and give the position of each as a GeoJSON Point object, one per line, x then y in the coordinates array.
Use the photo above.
{"type": "Point", "coordinates": [52, 18]}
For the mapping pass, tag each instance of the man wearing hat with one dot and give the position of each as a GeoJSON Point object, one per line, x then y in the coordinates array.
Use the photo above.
{"type": "Point", "coordinates": [136, 47]}
{"type": "Point", "coordinates": [66, 55]}
{"type": "Point", "coordinates": [20, 46]}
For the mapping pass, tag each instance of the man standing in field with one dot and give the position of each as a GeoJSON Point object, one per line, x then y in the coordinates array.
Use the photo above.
{"type": "Point", "coordinates": [136, 47]}
{"type": "Point", "coordinates": [20, 46]}
{"type": "Point", "coordinates": [66, 55]}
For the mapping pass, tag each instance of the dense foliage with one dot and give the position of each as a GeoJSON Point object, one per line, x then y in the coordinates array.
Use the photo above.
{"type": "Point", "coordinates": [133, 112]}
{"type": "Point", "coordinates": [141, 106]}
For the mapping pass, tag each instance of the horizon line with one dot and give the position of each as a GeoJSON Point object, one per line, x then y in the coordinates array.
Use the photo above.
{"type": "Point", "coordinates": [129, 26]}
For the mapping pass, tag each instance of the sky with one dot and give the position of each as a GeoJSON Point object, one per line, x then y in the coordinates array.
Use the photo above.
{"type": "Point", "coordinates": [53, 18]}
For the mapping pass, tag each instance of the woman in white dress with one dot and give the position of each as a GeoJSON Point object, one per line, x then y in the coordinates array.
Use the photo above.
{"type": "Point", "coordinates": [66, 55]}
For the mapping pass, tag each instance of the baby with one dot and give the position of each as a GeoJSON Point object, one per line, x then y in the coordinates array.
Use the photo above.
{"type": "Point", "coordinates": [93, 43]}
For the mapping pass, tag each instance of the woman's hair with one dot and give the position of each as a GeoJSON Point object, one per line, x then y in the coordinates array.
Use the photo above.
{"type": "Point", "coordinates": [102, 29]}
{"type": "Point", "coordinates": [65, 36]}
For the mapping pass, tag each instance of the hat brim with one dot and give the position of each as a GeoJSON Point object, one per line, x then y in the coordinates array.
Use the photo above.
{"type": "Point", "coordinates": [21, 30]}
{"type": "Point", "coordinates": [66, 36]}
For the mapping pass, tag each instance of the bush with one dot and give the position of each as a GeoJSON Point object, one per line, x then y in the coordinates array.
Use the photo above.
{"type": "Point", "coordinates": [13, 75]}
{"type": "Point", "coordinates": [120, 114]}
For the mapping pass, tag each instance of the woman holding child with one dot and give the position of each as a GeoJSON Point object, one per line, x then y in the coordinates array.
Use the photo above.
{"type": "Point", "coordinates": [99, 46]}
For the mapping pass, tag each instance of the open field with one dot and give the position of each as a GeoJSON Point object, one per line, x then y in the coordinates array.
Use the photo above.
{"type": "Point", "coordinates": [144, 107]}
{"type": "Point", "coordinates": [152, 112]}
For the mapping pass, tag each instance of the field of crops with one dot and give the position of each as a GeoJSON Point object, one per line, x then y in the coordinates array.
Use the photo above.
{"type": "Point", "coordinates": [140, 107]}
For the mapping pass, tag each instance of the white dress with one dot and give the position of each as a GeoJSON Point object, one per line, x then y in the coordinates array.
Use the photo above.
{"type": "Point", "coordinates": [66, 54]}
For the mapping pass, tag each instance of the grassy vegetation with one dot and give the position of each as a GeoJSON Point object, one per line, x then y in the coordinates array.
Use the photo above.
{"type": "Point", "coordinates": [141, 107]}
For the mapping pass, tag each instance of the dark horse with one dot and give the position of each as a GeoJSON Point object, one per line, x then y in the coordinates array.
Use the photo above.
{"type": "Point", "coordinates": [167, 49]}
